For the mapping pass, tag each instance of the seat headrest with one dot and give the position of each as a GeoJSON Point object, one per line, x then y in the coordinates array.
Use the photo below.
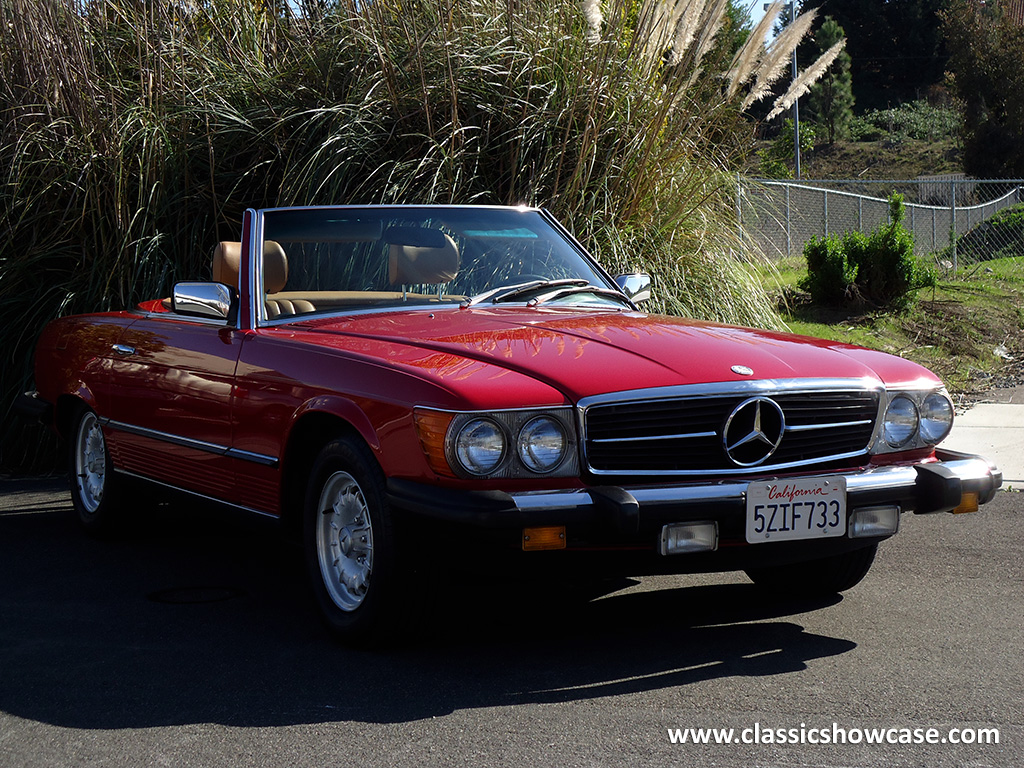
{"type": "Point", "coordinates": [227, 258]}
{"type": "Point", "coordinates": [421, 265]}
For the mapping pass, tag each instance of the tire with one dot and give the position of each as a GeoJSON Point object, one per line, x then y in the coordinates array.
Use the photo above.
{"type": "Point", "coordinates": [817, 578]}
{"type": "Point", "coordinates": [96, 490]}
{"type": "Point", "coordinates": [349, 543]}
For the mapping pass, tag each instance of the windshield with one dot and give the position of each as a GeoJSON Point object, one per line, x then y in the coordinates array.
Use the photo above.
{"type": "Point", "coordinates": [330, 259]}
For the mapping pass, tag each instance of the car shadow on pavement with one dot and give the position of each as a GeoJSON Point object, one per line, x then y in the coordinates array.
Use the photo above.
{"type": "Point", "coordinates": [198, 617]}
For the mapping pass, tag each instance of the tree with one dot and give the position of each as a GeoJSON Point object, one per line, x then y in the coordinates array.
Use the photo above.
{"type": "Point", "coordinates": [736, 27]}
{"type": "Point", "coordinates": [896, 47]}
{"type": "Point", "coordinates": [987, 63]}
{"type": "Point", "coordinates": [831, 100]}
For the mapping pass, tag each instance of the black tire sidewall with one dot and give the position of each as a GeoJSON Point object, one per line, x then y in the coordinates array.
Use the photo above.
{"type": "Point", "coordinates": [104, 517]}
{"type": "Point", "coordinates": [378, 609]}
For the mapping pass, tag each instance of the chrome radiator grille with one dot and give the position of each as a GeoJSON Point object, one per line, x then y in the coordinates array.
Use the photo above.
{"type": "Point", "coordinates": [686, 433]}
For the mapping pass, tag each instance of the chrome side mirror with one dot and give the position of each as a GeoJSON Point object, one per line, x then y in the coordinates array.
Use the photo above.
{"type": "Point", "coordinates": [211, 300]}
{"type": "Point", "coordinates": [636, 286]}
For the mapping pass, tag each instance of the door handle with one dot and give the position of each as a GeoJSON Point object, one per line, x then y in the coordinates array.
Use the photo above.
{"type": "Point", "coordinates": [124, 349]}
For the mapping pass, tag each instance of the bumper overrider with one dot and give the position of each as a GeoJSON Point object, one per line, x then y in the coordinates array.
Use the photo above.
{"type": "Point", "coordinates": [955, 482]}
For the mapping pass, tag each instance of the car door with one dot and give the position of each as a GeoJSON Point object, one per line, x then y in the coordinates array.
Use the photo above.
{"type": "Point", "coordinates": [170, 416]}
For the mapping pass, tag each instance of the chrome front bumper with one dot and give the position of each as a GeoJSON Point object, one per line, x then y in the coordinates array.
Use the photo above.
{"type": "Point", "coordinates": [922, 488]}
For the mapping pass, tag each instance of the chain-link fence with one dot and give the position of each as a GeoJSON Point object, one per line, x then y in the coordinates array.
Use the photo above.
{"type": "Point", "coordinates": [954, 220]}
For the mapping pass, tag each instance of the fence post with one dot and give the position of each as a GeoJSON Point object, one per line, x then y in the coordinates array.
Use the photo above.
{"type": "Point", "coordinates": [789, 232]}
{"type": "Point", "coordinates": [826, 211]}
{"type": "Point", "coordinates": [952, 217]}
{"type": "Point", "coordinates": [739, 206]}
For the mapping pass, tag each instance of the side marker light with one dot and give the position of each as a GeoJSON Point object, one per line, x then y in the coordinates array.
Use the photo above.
{"type": "Point", "coordinates": [548, 537]}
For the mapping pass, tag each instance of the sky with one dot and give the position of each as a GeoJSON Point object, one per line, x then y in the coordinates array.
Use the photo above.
{"type": "Point", "coordinates": [756, 12]}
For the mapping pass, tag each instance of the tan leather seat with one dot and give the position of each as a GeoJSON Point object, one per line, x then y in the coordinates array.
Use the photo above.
{"type": "Point", "coordinates": [227, 257]}
{"type": "Point", "coordinates": [418, 265]}
{"type": "Point", "coordinates": [286, 307]}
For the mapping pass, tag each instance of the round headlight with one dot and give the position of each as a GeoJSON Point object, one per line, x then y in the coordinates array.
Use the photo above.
{"type": "Point", "coordinates": [901, 420]}
{"type": "Point", "coordinates": [480, 446]}
{"type": "Point", "coordinates": [936, 418]}
{"type": "Point", "coordinates": [542, 444]}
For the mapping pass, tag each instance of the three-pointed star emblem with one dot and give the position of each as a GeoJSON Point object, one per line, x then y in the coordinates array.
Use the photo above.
{"type": "Point", "coordinates": [753, 431]}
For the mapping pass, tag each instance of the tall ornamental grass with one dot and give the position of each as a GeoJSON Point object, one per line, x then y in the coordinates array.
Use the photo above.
{"type": "Point", "coordinates": [134, 135]}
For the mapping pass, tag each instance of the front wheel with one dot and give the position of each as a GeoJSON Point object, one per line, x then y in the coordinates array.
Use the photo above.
{"type": "Point", "coordinates": [817, 578]}
{"type": "Point", "coordinates": [95, 488]}
{"type": "Point", "coordinates": [349, 542]}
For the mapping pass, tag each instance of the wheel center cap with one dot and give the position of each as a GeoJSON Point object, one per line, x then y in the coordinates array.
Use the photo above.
{"type": "Point", "coordinates": [345, 541]}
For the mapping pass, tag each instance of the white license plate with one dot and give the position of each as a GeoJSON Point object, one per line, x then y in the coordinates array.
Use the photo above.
{"type": "Point", "coordinates": [800, 508]}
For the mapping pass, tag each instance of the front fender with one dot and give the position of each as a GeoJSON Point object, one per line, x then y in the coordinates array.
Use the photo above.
{"type": "Point", "coordinates": [342, 408]}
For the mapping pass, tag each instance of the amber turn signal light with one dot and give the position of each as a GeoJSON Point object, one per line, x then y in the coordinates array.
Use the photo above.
{"type": "Point", "coordinates": [968, 503]}
{"type": "Point", "coordinates": [549, 537]}
{"type": "Point", "coordinates": [432, 427]}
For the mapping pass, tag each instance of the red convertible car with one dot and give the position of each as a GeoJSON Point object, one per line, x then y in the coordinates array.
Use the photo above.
{"type": "Point", "coordinates": [407, 385]}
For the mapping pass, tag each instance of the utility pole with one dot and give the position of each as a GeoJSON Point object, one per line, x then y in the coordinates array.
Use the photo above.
{"type": "Point", "coordinates": [790, 18]}
{"type": "Point", "coordinates": [796, 102]}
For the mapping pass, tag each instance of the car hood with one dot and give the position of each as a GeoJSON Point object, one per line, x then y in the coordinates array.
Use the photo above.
{"type": "Point", "coordinates": [585, 353]}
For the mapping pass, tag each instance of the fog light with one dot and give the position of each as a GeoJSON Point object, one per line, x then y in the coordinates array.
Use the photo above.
{"type": "Point", "coordinates": [874, 521]}
{"type": "Point", "coordinates": [682, 538]}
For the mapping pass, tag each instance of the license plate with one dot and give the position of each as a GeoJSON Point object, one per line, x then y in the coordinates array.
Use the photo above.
{"type": "Point", "coordinates": [800, 508]}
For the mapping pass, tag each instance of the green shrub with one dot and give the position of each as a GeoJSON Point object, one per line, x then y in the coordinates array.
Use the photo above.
{"type": "Point", "coordinates": [830, 274]}
{"type": "Point", "coordinates": [879, 269]}
{"type": "Point", "coordinates": [916, 120]}
{"type": "Point", "coordinates": [776, 159]}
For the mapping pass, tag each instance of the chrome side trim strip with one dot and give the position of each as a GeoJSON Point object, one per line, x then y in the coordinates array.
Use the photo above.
{"type": "Point", "coordinates": [188, 442]}
{"type": "Point", "coordinates": [255, 458]}
{"type": "Point", "coordinates": [198, 495]}
{"type": "Point", "coordinates": [176, 318]}
{"type": "Point", "coordinates": [165, 437]}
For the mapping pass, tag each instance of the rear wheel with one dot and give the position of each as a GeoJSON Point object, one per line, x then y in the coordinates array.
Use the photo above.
{"type": "Point", "coordinates": [95, 489]}
{"type": "Point", "coordinates": [816, 578]}
{"type": "Point", "coordinates": [349, 542]}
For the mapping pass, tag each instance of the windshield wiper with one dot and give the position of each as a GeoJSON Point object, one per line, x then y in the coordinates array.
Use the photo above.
{"type": "Point", "coordinates": [569, 290]}
{"type": "Point", "coordinates": [510, 292]}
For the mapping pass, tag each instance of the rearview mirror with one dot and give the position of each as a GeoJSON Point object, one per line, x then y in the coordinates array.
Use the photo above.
{"type": "Point", "coordinates": [414, 237]}
{"type": "Point", "coordinates": [211, 300]}
{"type": "Point", "coordinates": [636, 286]}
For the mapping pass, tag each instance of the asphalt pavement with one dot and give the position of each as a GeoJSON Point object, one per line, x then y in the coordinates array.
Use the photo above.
{"type": "Point", "coordinates": [190, 640]}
